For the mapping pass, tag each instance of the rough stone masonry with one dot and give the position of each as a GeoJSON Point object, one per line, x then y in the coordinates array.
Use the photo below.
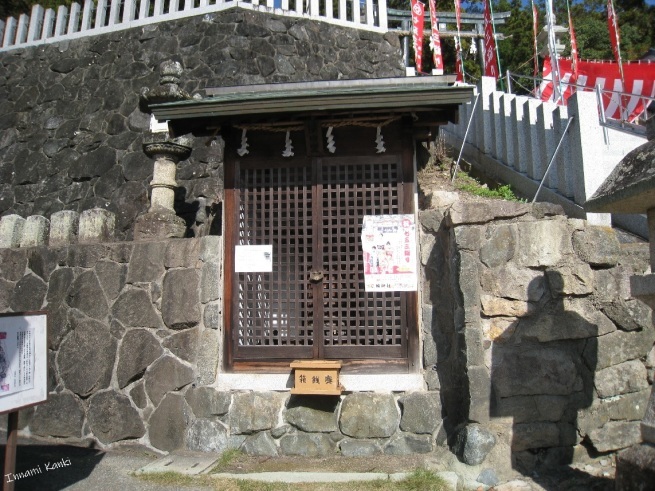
{"type": "Point", "coordinates": [71, 129]}
{"type": "Point", "coordinates": [531, 330]}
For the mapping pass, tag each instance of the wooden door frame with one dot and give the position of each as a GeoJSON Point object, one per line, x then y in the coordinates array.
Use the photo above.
{"type": "Point", "coordinates": [406, 187]}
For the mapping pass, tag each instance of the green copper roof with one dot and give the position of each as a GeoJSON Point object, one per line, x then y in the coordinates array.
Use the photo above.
{"type": "Point", "coordinates": [407, 94]}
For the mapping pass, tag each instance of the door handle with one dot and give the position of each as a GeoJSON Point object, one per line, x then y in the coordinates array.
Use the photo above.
{"type": "Point", "coordinates": [316, 276]}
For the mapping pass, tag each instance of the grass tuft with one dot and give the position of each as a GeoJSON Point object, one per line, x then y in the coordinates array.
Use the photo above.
{"type": "Point", "coordinates": [466, 183]}
{"type": "Point", "coordinates": [422, 480]}
{"type": "Point", "coordinates": [226, 459]}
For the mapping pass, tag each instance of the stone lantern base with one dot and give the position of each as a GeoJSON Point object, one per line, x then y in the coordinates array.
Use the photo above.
{"type": "Point", "coordinates": [158, 225]}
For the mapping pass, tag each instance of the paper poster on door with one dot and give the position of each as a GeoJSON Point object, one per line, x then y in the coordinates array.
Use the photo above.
{"type": "Point", "coordinates": [389, 246]}
{"type": "Point", "coordinates": [253, 258]}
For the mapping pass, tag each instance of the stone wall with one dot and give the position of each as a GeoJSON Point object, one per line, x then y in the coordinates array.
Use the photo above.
{"type": "Point", "coordinates": [532, 347]}
{"type": "Point", "coordinates": [71, 129]}
{"type": "Point", "coordinates": [131, 327]}
{"type": "Point", "coordinates": [135, 349]}
{"type": "Point", "coordinates": [535, 336]}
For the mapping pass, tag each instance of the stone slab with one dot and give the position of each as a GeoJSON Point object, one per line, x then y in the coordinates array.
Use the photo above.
{"type": "Point", "coordinates": [187, 463]}
{"type": "Point", "coordinates": [300, 477]}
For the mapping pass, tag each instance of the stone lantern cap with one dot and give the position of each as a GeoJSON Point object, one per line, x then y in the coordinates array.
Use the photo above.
{"type": "Point", "coordinates": [168, 89]}
{"type": "Point", "coordinates": [630, 188]}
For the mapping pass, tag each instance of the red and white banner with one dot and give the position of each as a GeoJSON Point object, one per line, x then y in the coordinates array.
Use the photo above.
{"type": "Point", "coordinates": [435, 40]}
{"type": "Point", "coordinates": [639, 81]}
{"type": "Point", "coordinates": [459, 66]}
{"type": "Point", "coordinates": [418, 11]}
{"type": "Point", "coordinates": [535, 33]}
{"type": "Point", "coordinates": [490, 58]}
{"type": "Point", "coordinates": [613, 26]}
{"type": "Point", "coordinates": [574, 46]}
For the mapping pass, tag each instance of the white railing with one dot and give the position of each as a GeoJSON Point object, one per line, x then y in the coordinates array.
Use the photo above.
{"type": "Point", "coordinates": [102, 16]}
{"type": "Point", "coordinates": [513, 138]}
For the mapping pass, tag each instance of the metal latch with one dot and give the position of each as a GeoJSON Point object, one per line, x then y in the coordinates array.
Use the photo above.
{"type": "Point", "coordinates": [316, 276]}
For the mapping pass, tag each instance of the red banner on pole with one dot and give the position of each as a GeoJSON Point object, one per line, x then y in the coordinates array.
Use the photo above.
{"type": "Point", "coordinates": [535, 33]}
{"type": "Point", "coordinates": [435, 40]}
{"type": "Point", "coordinates": [490, 58]}
{"type": "Point", "coordinates": [418, 11]}
{"type": "Point", "coordinates": [574, 47]}
{"type": "Point", "coordinates": [459, 68]}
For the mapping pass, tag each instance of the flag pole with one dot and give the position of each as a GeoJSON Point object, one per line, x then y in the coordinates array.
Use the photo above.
{"type": "Point", "coordinates": [554, 59]}
{"type": "Point", "coordinates": [616, 47]}
{"type": "Point", "coordinates": [535, 32]}
{"type": "Point", "coordinates": [493, 26]}
{"type": "Point", "coordinates": [458, 41]}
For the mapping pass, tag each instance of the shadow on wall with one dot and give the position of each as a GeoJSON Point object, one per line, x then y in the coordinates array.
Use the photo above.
{"type": "Point", "coordinates": [542, 374]}
{"type": "Point", "coordinates": [443, 344]}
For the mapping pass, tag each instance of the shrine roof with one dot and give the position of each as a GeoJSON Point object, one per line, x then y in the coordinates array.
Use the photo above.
{"type": "Point", "coordinates": [400, 95]}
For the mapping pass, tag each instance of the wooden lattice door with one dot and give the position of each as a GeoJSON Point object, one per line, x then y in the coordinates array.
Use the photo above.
{"type": "Point", "coordinates": [311, 212]}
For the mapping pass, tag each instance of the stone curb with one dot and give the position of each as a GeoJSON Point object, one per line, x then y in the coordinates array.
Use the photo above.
{"type": "Point", "coordinates": [306, 477]}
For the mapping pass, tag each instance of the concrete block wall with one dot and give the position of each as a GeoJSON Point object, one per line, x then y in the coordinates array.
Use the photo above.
{"type": "Point", "coordinates": [514, 138]}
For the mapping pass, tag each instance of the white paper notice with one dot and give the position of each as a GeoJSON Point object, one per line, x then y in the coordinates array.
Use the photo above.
{"type": "Point", "coordinates": [389, 247]}
{"type": "Point", "coordinates": [16, 360]}
{"type": "Point", "coordinates": [253, 258]}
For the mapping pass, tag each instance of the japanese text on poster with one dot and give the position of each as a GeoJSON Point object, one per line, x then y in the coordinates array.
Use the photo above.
{"type": "Point", "coordinates": [389, 246]}
{"type": "Point", "coordinates": [16, 360]}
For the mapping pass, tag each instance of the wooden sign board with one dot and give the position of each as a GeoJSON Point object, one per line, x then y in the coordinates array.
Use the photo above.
{"type": "Point", "coordinates": [23, 360]}
{"type": "Point", "coordinates": [319, 377]}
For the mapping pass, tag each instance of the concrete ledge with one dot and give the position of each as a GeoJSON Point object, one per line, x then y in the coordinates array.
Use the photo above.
{"type": "Point", "coordinates": [352, 383]}
{"type": "Point", "coordinates": [292, 477]}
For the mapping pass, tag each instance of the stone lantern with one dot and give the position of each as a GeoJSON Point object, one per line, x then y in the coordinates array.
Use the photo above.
{"type": "Point", "coordinates": [630, 188]}
{"type": "Point", "coordinates": [160, 221]}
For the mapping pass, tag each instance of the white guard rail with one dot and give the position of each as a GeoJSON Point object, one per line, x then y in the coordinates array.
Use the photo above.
{"type": "Point", "coordinates": [103, 16]}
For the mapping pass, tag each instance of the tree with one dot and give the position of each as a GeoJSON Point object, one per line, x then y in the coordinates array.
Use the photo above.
{"type": "Point", "coordinates": [13, 8]}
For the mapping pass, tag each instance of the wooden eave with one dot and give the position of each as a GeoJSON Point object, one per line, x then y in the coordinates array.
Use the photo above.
{"type": "Point", "coordinates": [395, 95]}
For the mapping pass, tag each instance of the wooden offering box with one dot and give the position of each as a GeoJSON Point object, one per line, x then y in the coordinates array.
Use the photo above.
{"type": "Point", "coordinates": [319, 377]}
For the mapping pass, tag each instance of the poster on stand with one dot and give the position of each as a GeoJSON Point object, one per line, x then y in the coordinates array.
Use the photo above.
{"type": "Point", "coordinates": [16, 360]}
{"type": "Point", "coordinates": [23, 360]}
{"type": "Point", "coordinates": [389, 247]}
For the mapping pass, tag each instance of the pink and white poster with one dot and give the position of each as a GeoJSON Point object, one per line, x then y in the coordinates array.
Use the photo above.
{"type": "Point", "coordinates": [389, 246]}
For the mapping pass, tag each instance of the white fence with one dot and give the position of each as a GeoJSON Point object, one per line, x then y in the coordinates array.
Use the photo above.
{"type": "Point", "coordinates": [514, 137]}
{"type": "Point", "coordinates": [102, 16]}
